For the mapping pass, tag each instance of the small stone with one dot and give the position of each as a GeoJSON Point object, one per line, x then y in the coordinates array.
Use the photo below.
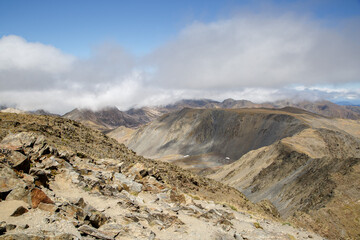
{"type": "Point", "coordinates": [19, 211]}
{"type": "Point", "coordinates": [10, 227]}
{"type": "Point", "coordinates": [23, 226]}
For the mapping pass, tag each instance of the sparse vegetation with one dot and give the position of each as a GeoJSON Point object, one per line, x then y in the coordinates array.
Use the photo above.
{"type": "Point", "coordinates": [257, 225]}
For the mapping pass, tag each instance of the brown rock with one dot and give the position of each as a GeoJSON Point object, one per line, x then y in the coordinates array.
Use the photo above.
{"type": "Point", "coordinates": [38, 196]}
{"type": "Point", "coordinates": [19, 211]}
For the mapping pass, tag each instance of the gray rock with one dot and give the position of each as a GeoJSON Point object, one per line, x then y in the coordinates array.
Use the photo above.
{"type": "Point", "coordinates": [126, 182]}
{"type": "Point", "coordinates": [18, 141]}
{"type": "Point", "coordinates": [8, 181]}
{"type": "Point", "coordinates": [87, 230]}
{"type": "Point", "coordinates": [19, 161]}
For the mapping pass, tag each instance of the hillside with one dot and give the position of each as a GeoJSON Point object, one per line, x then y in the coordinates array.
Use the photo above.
{"type": "Point", "coordinates": [104, 119]}
{"type": "Point", "coordinates": [61, 180]}
{"type": "Point", "coordinates": [305, 164]}
{"type": "Point", "coordinates": [311, 177]}
{"type": "Point", "coordinates": [201, 138]}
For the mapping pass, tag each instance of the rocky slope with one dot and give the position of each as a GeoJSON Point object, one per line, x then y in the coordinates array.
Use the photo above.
{"type": "Point", "coordinates": [61, 180]}
{"type": "Point", "coordinates": [201, 138]}
{"type": "Point", "coordinates": [312, 177]}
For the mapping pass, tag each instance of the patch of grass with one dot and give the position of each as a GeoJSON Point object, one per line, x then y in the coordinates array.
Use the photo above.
{"type": "Point", "coordinates": [286, 223]}
{"type": "Point", "coordinates": [291, 237]}
{"type": "Point", "coordinates": [257, 225]}
{"type": "Point", "coordinates": [233, 207]}
{"type": "Point", "coordinates": [194, 197]}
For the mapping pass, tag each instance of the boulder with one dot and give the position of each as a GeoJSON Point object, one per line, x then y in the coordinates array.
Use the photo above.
{"type": "Point", "coordinates": [38, 196]}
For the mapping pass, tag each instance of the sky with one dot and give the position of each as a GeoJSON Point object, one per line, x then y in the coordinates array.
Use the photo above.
{"type": "Point", "coordinates": [60, 55]}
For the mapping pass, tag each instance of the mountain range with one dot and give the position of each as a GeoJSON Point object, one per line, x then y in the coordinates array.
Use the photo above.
{"type": "Point", "coordinates": [109, 118]}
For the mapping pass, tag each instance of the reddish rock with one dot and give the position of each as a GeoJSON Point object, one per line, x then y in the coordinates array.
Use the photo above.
{"type": "Point", "coordinates": [38, 196]}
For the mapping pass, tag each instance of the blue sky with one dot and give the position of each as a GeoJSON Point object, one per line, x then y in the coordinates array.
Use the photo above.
{"type": "Point", "coordinates": [138, 25]}
{"type": "Point", "coordinates": [99, 53]}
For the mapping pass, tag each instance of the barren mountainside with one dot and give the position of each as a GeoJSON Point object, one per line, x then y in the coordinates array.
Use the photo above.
{"type": "Point", "coordinates": [305, 164]}
{"type": "Point", "coordinates": [212, 137]}
{"type": "Point", "coordinates": [310, 177]}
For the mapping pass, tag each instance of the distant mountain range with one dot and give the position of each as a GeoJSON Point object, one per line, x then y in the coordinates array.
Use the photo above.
{"type": "Point", "coordinates": [110, 118]}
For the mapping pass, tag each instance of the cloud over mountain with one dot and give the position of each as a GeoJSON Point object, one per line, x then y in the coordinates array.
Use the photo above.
{"type": "Point", "coordinates": [256, 57]}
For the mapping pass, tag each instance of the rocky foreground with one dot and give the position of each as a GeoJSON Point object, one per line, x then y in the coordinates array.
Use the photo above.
{"type": "Point", "coordinates": [57, 185]}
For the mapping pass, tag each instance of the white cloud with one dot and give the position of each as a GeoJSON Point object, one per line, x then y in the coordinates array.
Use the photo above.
{"type": "Point", "coordinates": [258, 51]}
{"type": "Point", "coordinates": [18, 54]}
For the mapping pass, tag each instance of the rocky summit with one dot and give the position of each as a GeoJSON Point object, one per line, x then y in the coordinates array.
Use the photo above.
{"type": "Point", "coordinates": [61, 180]}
